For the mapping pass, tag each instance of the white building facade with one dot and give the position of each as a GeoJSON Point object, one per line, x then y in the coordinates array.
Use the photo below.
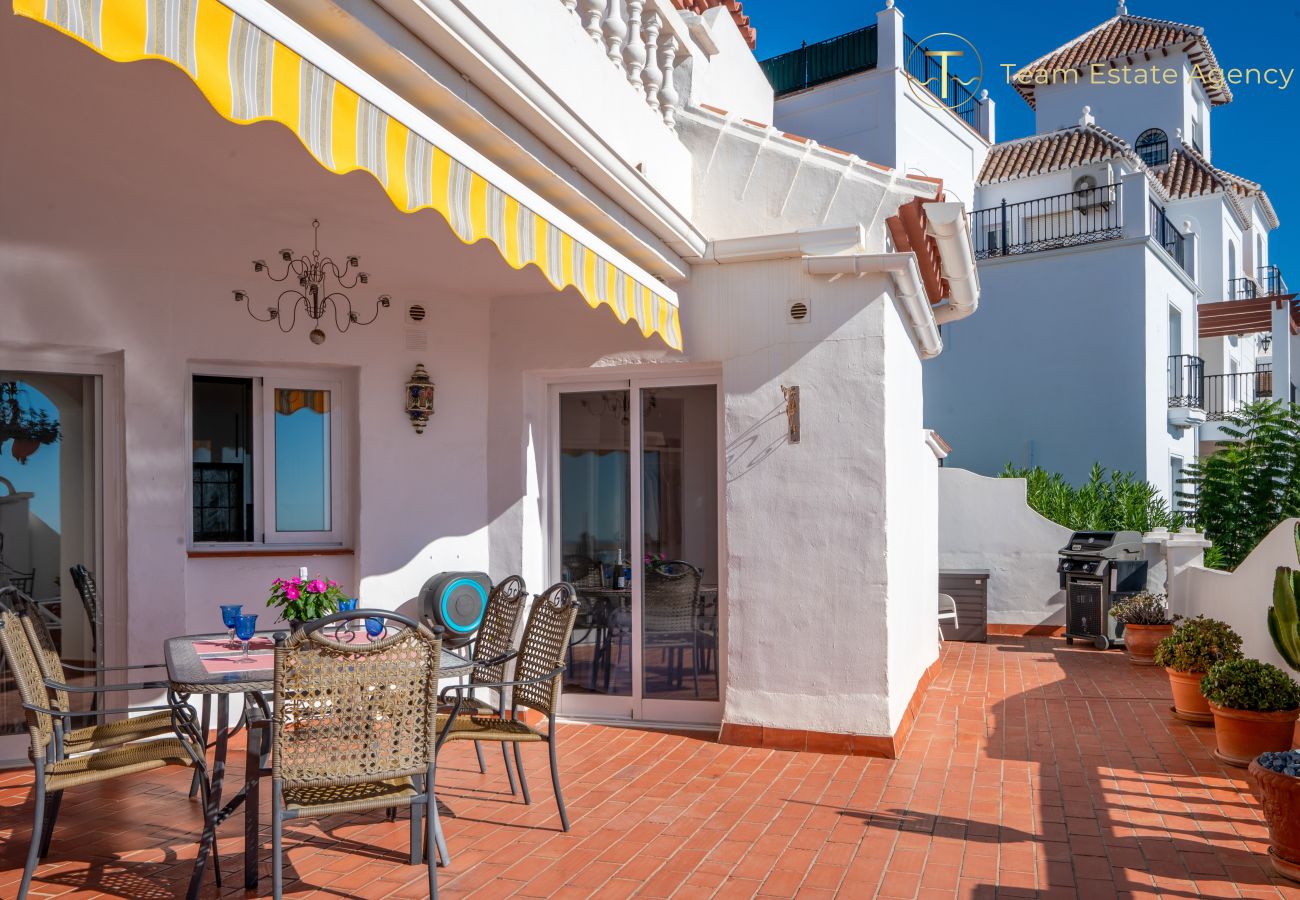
{"type": "Point", "coordinates": [611, 268]}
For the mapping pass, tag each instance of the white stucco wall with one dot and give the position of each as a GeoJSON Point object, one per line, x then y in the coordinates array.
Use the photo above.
{"type": "Point", "coordinates": [117, 250]}
{"type": "Point", "coordinates": [986, 524]}
{"type": "Point", "coordinates": [1242, 597]}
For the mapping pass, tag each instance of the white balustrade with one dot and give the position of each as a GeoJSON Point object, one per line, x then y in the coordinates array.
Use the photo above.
{"type": "Point", "coordinates": [636, 39]}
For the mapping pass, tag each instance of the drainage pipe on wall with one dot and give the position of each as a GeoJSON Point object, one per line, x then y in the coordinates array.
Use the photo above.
{"type": "Point", "coordinates": [908, 286]}
{"type": "Point", "coordinates": [946, 223]}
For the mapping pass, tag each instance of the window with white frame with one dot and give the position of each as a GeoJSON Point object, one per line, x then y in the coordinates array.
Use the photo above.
{"type": "Point", "coordinates": [269, 462]}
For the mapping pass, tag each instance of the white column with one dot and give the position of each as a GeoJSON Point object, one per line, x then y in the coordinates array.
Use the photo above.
{"type": "Point", "coordinates": [615, 32]}
{"type": "Point", "coordinates": [1282, 357]}
{"type": "Point", "coordinates": [1136, 205]}
{"type": "Point", "coordinates": [1183, 550]}
{"type": "Point", "coordinates": [985, 117]}
{"type": "Point", "coordinates": [890, 50]}
{"type": "Point", "coordinates": [668, 96]}
{"type": "Point", "coordinates": [634, 52]}
{"type": "Point", "coordinates": [652, 76]}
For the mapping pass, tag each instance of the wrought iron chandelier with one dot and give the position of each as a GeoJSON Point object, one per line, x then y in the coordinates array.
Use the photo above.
{"type": "Point", "coordinates": [313, 295]}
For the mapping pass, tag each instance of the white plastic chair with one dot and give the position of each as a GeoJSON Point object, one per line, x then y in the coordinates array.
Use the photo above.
{"type": "Point", "coordinates": [947, 612]}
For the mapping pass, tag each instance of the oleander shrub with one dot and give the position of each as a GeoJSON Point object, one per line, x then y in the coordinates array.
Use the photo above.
{"type": "Point", "coordinates": [1115, 502]}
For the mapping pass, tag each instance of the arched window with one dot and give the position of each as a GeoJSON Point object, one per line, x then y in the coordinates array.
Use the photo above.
{"type": "Point", "coordinates": [1153, 147]}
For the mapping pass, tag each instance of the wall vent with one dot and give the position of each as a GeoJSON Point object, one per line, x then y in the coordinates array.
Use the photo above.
{"type": "Point", "coordinates": [415, 312]}
{"type": "Point", "coordinates": [800, 311]}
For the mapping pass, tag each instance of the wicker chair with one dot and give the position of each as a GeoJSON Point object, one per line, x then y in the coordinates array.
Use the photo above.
{"type": "Point", "coordinates": [493, 649]}
{"type": "Point", "coordinates": [539, 671]}
{"type": "Point", "coordinates": [353, 729]}
{"type": "Point", "coordinates": [672, 602]}
{"type": "Point", "coordinates": [55, 770]}
{"type": "Point", "coordinates": [54, 673]}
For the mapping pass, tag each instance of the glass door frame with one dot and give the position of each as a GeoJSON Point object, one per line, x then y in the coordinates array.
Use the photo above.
{"type": "Point", "coordinates": [636, 707]}
{"type": "Point", "coordinates": [108, 506]}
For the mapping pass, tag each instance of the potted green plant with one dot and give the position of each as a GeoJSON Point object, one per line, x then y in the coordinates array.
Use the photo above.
{"type": "Point", "coordinates": [1187, 654]}
{"type": "Point", "coordinates": [301, 600]}
{"type": "Point", "coordinates": [1276, 775]}
{"type": "Point", "coordinates": [1255, 706]}
{"type": "Point", "coordinates": [1146, 620]}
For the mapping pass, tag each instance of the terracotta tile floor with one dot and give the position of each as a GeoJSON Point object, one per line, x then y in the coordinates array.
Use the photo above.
{"type": "Point", "coordinates": [1033, 770]}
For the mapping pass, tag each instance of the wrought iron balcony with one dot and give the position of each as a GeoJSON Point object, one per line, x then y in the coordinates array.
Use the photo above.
{"type": "Point", "coordinates": [1186, 382]}
{"type": "Point", "coordinates": [1270, 280]}
{"type": "Point", "coordinates": [1046, 223]}
{"type": "Point", "coordinates": [1167, 236]}
{"type": "Point", "coordinates": [1227, 394]}
{"type": "Point", "coordinates": [1242, 289]}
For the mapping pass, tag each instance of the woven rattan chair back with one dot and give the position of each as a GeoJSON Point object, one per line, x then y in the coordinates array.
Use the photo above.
{"type": "Point", "coordinates": [352, 713]}
{"type": "Point", "coordinates": [496, 634]}
{"type": "Point", "coordinates": [27, 675]}
{"type": "Point", "coordinates": [88, 591]}
{"type": "Point", "coordinates": [672, 593]}
{"type": "Point", "coordinates": [584, 572]}
{"type": "Point", "coordinates": [41, 641]}
{"type": "Point", "coordinates": [543, 647]}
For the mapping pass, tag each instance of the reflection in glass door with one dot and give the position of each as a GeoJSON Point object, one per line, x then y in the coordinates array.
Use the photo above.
{"type": "Point", "coordinates": [48, 496]}
{"type": "Point", "coordinates": [636, 532]}
{"type": "Point", "coordinates": [679, 532]}
{"type": "Point", "coordinates": [595, 538]}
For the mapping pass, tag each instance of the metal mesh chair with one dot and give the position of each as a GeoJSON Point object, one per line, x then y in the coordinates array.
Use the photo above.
{"type": "Point", "coordinates": [493, 649]}
{"type": "Point", "coordinates": [672, 602]}
{"type": "Point", "coordinates": [87, 590]}
{"type": "Point", "coordinates": [353, 729]}
{"type": "Point", "coordinates": [55, 770]}
{"type": "Point", "coordinates": [539, 670]}
{"type": "Point", "coordinates": [54, 673]}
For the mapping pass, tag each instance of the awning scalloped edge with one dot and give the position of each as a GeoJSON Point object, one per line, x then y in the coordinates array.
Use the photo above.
{"type": "Point", "coordinates": [249, 76]}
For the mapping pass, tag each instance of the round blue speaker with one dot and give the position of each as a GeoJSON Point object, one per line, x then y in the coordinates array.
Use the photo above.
{"type": "Point", "coordinates": [456, 601]}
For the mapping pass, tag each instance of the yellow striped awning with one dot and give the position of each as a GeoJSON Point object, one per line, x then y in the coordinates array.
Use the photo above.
{"type": "Point", "coordinates": [348, 120]}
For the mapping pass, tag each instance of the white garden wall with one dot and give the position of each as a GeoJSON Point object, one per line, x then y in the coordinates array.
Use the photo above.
{"type": "Point", "coordinates": [986, 524]}
{"type": "Point", "coordinates": [1242, 597]}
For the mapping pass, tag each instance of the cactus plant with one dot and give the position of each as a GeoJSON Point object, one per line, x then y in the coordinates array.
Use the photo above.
{"type": "Point", "coordinates": [1283, 616]}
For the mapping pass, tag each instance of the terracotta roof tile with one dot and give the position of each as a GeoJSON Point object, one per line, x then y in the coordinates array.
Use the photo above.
{"type": "Point", "coordinates": [1043, 153]}
{"type": "Point", "coordinates": [735, 7]}
{"type": "Point", "coordinates": [1121, 37]}
{"type": "Point", "coordinates": [1189, 174]}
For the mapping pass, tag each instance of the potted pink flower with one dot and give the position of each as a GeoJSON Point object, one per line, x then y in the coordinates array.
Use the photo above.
{"type": "Point", "coordinates": [303, 599]}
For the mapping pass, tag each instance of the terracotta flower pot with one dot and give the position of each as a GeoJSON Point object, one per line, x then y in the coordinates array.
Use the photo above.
{"type": "Point", "coordinates": [1242, 735]}
{"type": "Point", "coordinates": [1190, 704]}
{"type": "Point", "coordinates": [1280, 796]}
{"type": "Point", "coordinates": [1140, 641]}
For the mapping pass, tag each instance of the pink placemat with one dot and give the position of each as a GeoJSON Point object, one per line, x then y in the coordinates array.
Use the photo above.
{"type": "Point", "coordinates": [263, 660]}
{"type": "Point", "coordinates": [222, 646]}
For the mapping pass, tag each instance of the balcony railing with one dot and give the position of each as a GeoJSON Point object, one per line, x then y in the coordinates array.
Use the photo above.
{"type": "Point", "coordinates": [928, 72]}
{"type": "Point", "coordinates": [814, 64]}
{"type": "Point", "coordinates": [1167, 236]}
{"type": "Point", "coordinates": [1242, 289]}
{"type": "Point", "coordinates": [1046, 223]}
{"type": "Point", "coordinates": [1186, 382]}
{"type": "Point", "coordinates": [1227, 394]}
{"type": "Point", "coordinates": [1270, 279]}
{"type": "Point", "coordinates": [643, 49]}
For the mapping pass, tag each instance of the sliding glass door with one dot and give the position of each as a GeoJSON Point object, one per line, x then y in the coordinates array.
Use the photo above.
{"type": "Point", "coordinates": [635, 528]}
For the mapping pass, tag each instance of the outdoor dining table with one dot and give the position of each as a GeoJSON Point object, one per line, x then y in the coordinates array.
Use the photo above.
{"type": "Point", "coordinates": [206, 664]}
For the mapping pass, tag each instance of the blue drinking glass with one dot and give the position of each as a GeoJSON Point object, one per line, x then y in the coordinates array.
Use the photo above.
{"type": "Point", "coordinates": [343, 629]}
{"type": "Point", "coordinates": [245, 628]}
{"type": "Point", "coordinates": [375, 627]}
{"type": "Point", "coordinates": [228, 616]}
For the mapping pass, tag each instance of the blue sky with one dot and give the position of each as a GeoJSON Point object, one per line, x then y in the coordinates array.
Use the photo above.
{"type": "Point", "coordinates": [1255, 136]}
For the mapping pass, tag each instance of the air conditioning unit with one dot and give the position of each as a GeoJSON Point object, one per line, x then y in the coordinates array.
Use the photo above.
{"type": "Point", "coordinates": [1094, 187]}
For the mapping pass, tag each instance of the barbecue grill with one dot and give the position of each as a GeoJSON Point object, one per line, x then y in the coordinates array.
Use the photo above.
{"type": "Point", "coordinates": [1097, 568]}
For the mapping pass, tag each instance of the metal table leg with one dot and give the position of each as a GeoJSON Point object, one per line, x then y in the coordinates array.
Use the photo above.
{"type": "Point", "coordinates": [208, 843]}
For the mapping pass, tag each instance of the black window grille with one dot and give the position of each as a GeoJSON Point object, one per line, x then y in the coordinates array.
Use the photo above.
{"type": "Point", "coordinates": [1153, 147]}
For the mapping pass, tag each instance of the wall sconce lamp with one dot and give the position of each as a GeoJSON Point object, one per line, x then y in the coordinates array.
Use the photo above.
{"type": "Point", "coordinates": [419, 398]}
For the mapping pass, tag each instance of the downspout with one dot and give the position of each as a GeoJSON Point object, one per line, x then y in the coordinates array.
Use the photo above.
{"type": "Point", "coordinates": [908, 287]}
{"type": "Point", "coordinates": [946, 223]}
